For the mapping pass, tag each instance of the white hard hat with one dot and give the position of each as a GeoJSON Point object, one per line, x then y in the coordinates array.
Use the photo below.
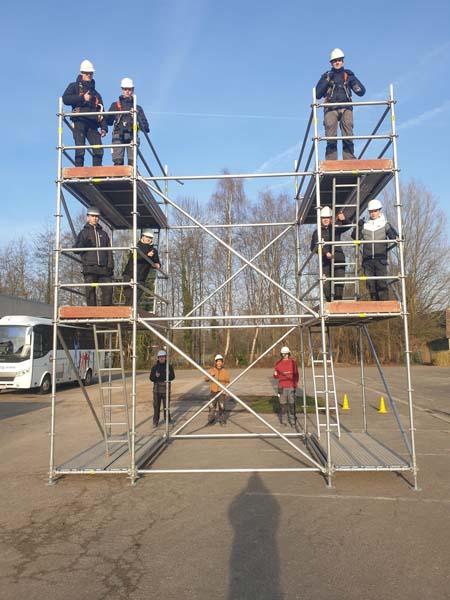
{"type": "Point", "coordinates": [326, 212]}
{"type": "Point", "coordinates": [162, 353]}
{"type": "Point", "coordinates": [285, 350]}
{"type": "Point", "coordinates": [148, 233]}
{"type": "Point", "coordinates": [336, 53]}
{"type": "Point", "coordinates": [87, 66]}
{"type": "Point", "coordinates": [218, 357]}
{"type": "Point", "coordinates": [93, 211]}
{"type": "Point", "coordinates": [126, 83]}
{"type": "Point", "coordinates": [374, 204]}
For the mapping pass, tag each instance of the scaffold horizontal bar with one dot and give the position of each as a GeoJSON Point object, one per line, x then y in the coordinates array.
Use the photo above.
{"type": "Point", "coordinates": [224, 470]}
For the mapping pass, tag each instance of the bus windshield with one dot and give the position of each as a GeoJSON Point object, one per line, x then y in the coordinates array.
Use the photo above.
{"type": "Point", "coordinates": [15, 343]}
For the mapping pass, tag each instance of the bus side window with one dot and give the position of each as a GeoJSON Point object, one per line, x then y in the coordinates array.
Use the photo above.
{"type": "Point", "coordinates": [42, 340]}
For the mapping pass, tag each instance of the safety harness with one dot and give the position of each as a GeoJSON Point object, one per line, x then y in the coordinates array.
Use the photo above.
{"type": "Point", "coordinates": [331, 87]}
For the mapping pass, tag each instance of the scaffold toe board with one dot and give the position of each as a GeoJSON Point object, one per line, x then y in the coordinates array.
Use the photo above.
{"type": "Point", "coordinates": [358, 451]}
{"type": "Point", "coordinates": [344, 312]}
{"type": "Point", "coordinates": [110, 189]}
{"type": "Point", "coordinates": [374, 174]}
{"type": "Point", "coordinates": [87, 313]}
{"type": "Point", "coordinates": [363, 308]}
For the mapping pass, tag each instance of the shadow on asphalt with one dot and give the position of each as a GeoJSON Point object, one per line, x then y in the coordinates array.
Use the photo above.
{"type": "Point", "coordinates": [254, 569]}
{"type": "Point", "coordinates": [14, 409]}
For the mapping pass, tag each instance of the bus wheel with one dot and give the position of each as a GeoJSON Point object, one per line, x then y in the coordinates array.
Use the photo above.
{"type": "Point", "coordinates": [46, 385]}
{"type": "Point", "coordinates": [88, 377]}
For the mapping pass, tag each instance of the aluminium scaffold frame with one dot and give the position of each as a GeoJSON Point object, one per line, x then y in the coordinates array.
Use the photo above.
{"type": "Point", "coordinates": [162, 326]}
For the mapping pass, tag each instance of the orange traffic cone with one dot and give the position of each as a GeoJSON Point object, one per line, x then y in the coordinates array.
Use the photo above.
{"type": "Point", "coordinates": [382, 408]}
{"type": "Point", "coordinates": [345, 405]}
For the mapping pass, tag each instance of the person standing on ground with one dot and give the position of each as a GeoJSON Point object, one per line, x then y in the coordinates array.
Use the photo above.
{"type": "Point", "coordinates": [221, 374]}
{"type": "Point", "coordinates": [331, 254]}
{"type": "Point", "coordinates": [162, 373]}
{"type": "Point", "coordinates": [84, 98]}
{"type": "Point", "coordinates": [98, 265]}
{"type": "Point", "coordinates": [286, 371]}
{"type": "Point", "coordinates": [337, 85]}
{"type": "Point", "coordinates": [145, 245]}
{"type": "Point", "coordinates": [123, 124]}
{"type": "Point", "coordinates": [374, 256]}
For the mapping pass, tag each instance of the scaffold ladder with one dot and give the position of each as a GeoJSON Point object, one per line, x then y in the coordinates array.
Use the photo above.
{"type": "Point", "coordinates": [354, 194]}
{"type": "Point", "coordinates": [322, 385]}
{"type": "Point", "coordinates": [112, 386]}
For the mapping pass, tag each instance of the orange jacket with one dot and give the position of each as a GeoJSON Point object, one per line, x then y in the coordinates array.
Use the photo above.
{"type": "Point", "coordinates": [221, 375]}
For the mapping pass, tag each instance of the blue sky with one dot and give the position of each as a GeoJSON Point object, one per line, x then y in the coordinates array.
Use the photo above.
{"type": "Point", "coordinates": [224, 84]}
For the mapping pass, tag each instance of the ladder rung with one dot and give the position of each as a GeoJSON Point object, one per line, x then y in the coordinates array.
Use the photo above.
{"type": "Point", "coordinates": [108, 350]}
{"type": "Point", "coordinates": [106, 331]}
{"type": "Point", "coordinates": [111, 387]}
{"type": "Point", "coordinates": [110, 369]}
{"type": "Point", "coordinates": [116, 423]}
{"type": "Point", "coordinates": [123, 441]}
{"type": "Point", "coordinates": [115, 405]}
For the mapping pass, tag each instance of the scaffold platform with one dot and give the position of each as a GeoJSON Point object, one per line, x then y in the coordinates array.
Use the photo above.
{"type": "Point", "coordinates": [110, 189]}
{"type": "Point", "coordinates": [374, 173]}
{"type": "Point", "coordinates": [355, 312]}
{"type": "Point", "coordinates": [358, 451]}
{"type": "Point", "coordinates": [94, 459]}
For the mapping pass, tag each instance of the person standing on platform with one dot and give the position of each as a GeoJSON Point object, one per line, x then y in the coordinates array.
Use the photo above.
{"type": "Point", "coordinates": [336, 85]}
{"type": "Point", "coordinates": [221, 374]}
{"type": "Point", "coordinates": [162, 374]}
{"type": "Point", "coordinates": [331, 253]}
{"type": "Point", "coordinates": [84, 98]}
{"type": "Point", "coordinates": [374, 256]}
{"type": "Point", "coordinates": [98, 265]}
{"type": "Point", "coordinates": [123, 124]}
{"type": "Point", "coordinates": [145, 245]}
{"type": "Point", "coordinates": [286, 371]}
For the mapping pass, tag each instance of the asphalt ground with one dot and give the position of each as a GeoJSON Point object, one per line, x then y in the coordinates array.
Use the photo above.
{"type": "Point", "coordinates": [226, 535]}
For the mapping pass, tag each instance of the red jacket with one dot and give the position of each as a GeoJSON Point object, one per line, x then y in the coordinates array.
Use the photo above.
{"type": "Point", "coordinates": [286, 371]}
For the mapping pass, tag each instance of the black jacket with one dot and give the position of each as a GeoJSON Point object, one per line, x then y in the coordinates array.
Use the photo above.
{"type": "Point", "coordinates": [143, 266]}
{"type": "Point", "coordinates": [95, 261]}
{"type": "Point", "coordinates": [337, 85]}
{"type": "Point", "coordinates": [125, 122]}
{"type": "Point", "coordinates": [161, 369]}
{"type": "Point", "coordinates": [327, 236]}
{"type": "Point", "coordinates": [74, 96]}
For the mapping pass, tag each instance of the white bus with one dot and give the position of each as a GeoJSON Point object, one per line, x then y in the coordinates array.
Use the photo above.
{"type": "Point", "coordinates": [26, 348]}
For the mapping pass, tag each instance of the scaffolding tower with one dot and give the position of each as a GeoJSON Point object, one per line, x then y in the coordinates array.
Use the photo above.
{"type": "Point", "coordinates": [131, 197]}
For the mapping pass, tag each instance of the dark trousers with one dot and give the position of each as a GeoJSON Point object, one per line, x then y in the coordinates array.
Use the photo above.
{"type": "Point", "coordinates": [376, 267]}
{"type": "Point", "coordinates": [219, 406]}
{"type": "Point", "coordinates": [128, 292]}
{"type": "Point", "coordinates": [121, 137]}
{"type": "Point", "coordinates": [82, 131]}
{"type": "Point", "coordinates": [339, 271]}
{"type": "Point", "coordinates": [159, 397]}
{"type": "Point", "coordinates": [343, 116]}
{"type": "Point", "coordinates": [91, 294]}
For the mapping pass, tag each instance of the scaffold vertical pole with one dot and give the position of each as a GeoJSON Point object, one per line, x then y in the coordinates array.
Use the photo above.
{"type": "Point", "coordinates": [56, 293]}
{"type": "Point", "coordinates": [134, 317]}
{"type": "Point", "coordinates": [398, 205]}
{"type": "Point", "coordinates": [321, 289]}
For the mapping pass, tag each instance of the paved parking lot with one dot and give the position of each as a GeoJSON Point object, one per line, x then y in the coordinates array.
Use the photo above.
{"type": "Point", "coordinates": [234, 536]}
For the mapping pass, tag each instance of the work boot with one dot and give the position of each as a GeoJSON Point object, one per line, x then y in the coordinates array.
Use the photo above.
{"type": "Point", "coordinates": [211, 417]}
